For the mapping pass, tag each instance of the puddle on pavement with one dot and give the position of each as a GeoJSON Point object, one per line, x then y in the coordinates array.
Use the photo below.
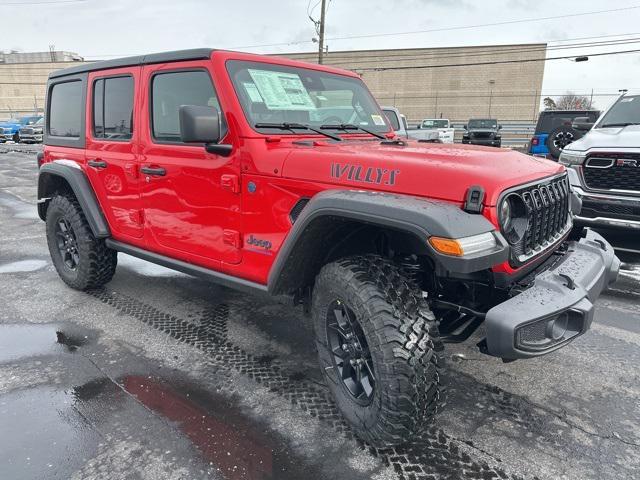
{"type": "Point", "coordinates": [145, 268]}
{"type": "Point", "coordinates": [23, 266]}
{"type": "Point", "coordinates": [20, 208]}
{"type": "Point", "coordinates": [238, 446]}
{"type": "Point", "coordinates": [19, 341]}
{"type": "Point", "coordinates": [43, 435]}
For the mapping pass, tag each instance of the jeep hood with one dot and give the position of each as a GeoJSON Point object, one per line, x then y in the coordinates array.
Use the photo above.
{"type": "Point", "coordinates": [437, 171]}
{"type": "Point", "coordinates": [612, 137]}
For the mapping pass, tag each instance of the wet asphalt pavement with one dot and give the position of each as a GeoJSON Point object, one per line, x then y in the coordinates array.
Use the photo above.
{"type": "Point", "coordinates": [163, 376]}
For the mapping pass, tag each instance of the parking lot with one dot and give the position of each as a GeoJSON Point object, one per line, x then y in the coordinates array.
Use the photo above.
{"type": "Point", "coordinates": [163, 376]}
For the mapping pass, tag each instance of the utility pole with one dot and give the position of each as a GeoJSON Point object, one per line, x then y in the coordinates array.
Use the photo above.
{"type": "Point", "coordinates": [321, 32]}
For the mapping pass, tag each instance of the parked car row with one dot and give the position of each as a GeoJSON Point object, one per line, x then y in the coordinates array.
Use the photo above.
{"type": "Point", "coordinates": [27, 129]}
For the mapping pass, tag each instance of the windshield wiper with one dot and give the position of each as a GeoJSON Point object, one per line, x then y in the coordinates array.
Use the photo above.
{"type": "Point", "coordinates": [296, 126]}
{"type": "Point", "coordinates": [625, 124]}
{"type": "Point", "coordinates": [350, 126]}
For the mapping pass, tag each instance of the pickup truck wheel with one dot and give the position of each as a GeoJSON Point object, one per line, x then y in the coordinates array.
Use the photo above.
{"type": "Point", "coordinates": [377, 343]}
{"type": "Point", "coordinates": [82, 261]}
{"type": "Point", "coordinates": [16, 137]}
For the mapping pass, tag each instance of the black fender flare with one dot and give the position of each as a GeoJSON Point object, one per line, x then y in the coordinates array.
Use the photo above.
{"type": "Point", "coordinates": [69, 171]}
{"type": "Point", "coordinates": [419, 217]}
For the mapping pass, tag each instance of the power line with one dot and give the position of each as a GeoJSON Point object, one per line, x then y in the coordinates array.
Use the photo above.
{"type": "Point", "coordinates": [497, 62]}
{"type": "Point", "coordinates": [355, 61]}
{"type": "Point", "coordinates": [448, 29]}
{"type": "Point", "coordinates": [49, 2]}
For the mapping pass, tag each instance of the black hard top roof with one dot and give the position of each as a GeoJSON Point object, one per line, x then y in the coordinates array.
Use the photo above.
{"type": "Point", "coordinates": [163, 57]}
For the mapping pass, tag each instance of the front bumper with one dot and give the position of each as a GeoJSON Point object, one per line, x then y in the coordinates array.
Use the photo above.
{"type": "Point", "coordinates": [492, 142]}
{"type": "Point", "coordinates": [558, 307]}
{"type": "Point", "coordinates": [608, 210]}
{"type": "Point", "coordinates": [36, 138]}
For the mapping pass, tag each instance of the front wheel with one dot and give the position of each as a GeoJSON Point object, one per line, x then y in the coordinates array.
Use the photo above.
{"type": "Point", "coordinates": [82, 260]}
{"type": "Point", "coordinates": [377, 343]}
{"type": "Point", "coordinates": [16, 137]}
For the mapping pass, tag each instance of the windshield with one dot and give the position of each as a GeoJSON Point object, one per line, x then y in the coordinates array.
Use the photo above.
{"type": "Point", "coordinates": [393, 119]}
{"type": "Point", "coordinates": [624, 112]}
{"type": "Point", "coordinates": [485, 123]}
{"type": "Point", "coordinates": [28, 120]}
{"type": "Point", "coordinates": [279, 94]}
{"type": "Point", "coordinates": [435, 124]}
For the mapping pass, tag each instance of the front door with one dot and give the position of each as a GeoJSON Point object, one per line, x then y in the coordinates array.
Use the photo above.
{"type": "Point", "coordinates": [111, 149]}
{"type": "Point", "coordinates": [190, 197]}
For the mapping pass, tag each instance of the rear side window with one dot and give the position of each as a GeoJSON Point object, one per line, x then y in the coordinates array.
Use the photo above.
{"type": "Point", "coordinates": [171, 90]}
{"type": "Point", "coordinates": [552, 120]}
{"type": "Point", "coordinates": [65, 110]}
{"type": "Point", "coordinates": [113, 108]}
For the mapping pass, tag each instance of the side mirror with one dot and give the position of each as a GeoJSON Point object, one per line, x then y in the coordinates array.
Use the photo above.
{"type": "Point", "coordinates": [202, 125]}
{"type": "Point", "coordinates": [464, 126]}
{"type": "Point", "coordinates": [199, 124]}
{"type": "Point", "coordinates": [582, 124]}
{"type": "Point", "coordinates": [499, 127]}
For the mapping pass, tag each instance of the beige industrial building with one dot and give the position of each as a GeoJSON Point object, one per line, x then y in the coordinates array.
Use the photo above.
{"type": "Point", "coordinates": [421, 82]}
{"type": "Point", "coordinates": [440, 82]}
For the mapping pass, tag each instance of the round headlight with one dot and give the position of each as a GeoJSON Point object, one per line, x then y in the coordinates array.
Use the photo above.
{"type": "Point", "coordinates": [505, 213]}
{"type": "Point", "coordinates": [513, 217]}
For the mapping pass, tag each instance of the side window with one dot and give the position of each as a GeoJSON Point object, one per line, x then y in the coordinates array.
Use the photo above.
{"type": "Point", "coordinates": [65, 109]}
{"type": "Point", "coordinates": [171, 90]}
{"type": "Point", "coordinates": [113, 108]}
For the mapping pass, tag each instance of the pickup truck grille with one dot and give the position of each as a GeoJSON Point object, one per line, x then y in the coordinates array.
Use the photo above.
{"type": "Point", "coordinates": [26, 131]}
{"type": "Point", "coordinates": [622, 174]}
{"type": "Point", "coordinates": [549, 219]}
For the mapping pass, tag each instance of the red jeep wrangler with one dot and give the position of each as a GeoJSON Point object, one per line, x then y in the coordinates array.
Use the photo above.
{"type": "Point", "coordinates": [267, 174]}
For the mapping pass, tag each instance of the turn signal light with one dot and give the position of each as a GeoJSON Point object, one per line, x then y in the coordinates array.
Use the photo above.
{"type": "Point", "coordinates": [448, 246]}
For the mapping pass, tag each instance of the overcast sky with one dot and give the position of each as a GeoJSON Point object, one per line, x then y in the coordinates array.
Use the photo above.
{"type": "Point", "coordinates": [104, 29]}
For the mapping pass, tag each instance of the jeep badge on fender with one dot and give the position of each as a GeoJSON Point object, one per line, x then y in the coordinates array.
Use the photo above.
{"type": "Point", "coordinates": [368, 233]}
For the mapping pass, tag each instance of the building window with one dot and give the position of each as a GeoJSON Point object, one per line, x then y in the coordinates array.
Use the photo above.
{"type": "Point", "coordinates": [113, 108]}
{"type": "Point", "coordinates": [65, 109]}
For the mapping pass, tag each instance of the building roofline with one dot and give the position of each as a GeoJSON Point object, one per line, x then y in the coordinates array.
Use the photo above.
{"type": "Point", "coordinates": [388, 50]}
{"type": "Point", "coordinates": [172, 56]}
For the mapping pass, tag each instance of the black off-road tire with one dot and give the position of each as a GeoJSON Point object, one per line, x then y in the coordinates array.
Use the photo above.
{"type": "Point", "coordinates": [403, 340]}
{"type": "Point", "coordinates": [97, 263]}
{"type": "Point", "coordinates": [565, 133]}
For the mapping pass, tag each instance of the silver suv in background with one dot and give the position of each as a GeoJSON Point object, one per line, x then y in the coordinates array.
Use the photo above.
{"type": "Point", "coordinates": [604, 166]}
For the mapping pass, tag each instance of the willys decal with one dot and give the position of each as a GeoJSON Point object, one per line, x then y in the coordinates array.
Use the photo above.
{"type": "Point", "coordinates": [358, 173]}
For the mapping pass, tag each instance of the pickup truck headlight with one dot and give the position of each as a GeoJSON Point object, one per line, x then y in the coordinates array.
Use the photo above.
{"type": "Point", "coordinates": [513, 218]}
{"type": "Point", "coordinates": [460, 247]}
{"type": "Point", "coordinates": [571, 158]}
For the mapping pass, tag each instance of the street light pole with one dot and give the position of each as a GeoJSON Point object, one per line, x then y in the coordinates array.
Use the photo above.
{"type": "Point", "coordinates": [321, 33]}
{"type": "Point", "coordinates": [491, 83]}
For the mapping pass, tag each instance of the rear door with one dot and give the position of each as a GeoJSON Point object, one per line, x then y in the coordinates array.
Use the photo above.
{"type": "Point", "coordinates": [191, 198]}
{"type": "Point", "coordinates": [112, 148]}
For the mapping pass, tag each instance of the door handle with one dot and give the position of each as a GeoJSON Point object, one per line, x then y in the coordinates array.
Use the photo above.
{"type": "Point", "coordinates": [155, 171]}
{"type": "Point", "coordinates": [97, 163]}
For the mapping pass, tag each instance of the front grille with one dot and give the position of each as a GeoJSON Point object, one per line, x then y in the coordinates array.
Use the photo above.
{"type": "Point", "coordinates": [621, 175]}
{"type": "Point", "coordinates": [482, 134]}
{"type": "Point", "coordinates": [548, 212]}
{"type": "Point", "coordinates": [26, 131]}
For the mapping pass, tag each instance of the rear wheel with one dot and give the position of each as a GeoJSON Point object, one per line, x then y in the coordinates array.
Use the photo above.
{"type": "Point", "coordinates": [82, 261]}
{"type": "Point", "coordinates": [377, 343]}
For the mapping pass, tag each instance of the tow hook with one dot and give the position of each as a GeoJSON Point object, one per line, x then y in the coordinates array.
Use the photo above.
{"type": "Point", "coordinates": [570, 283]}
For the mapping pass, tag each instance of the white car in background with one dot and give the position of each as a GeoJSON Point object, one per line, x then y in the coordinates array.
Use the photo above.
{"type": "Point", "coordinates": [399, 124]}
{"type": "Point", "coordinates": [443, 127]}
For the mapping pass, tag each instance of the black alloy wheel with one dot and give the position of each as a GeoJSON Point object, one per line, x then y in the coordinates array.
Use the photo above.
{"type": "Point", "coordinates": [67, 244]}
{"type": "Point", "coordinates": [351, 355]}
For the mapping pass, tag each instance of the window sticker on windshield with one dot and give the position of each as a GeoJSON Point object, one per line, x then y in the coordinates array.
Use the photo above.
{"type": "Point", "coordinates": [252, 91]}
{"type": "Point", "coordinates": [628, 99]}
{"type": "Point", "coordinates": [282, 91]}
{"type": "Point", "coordinates": [377, 119]}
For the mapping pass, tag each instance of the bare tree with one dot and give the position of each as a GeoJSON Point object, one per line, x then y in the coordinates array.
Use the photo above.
{"type": "Point", "coordinates": [549, 103]}
{"type": "Point", "coordinates": [571, 101]}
